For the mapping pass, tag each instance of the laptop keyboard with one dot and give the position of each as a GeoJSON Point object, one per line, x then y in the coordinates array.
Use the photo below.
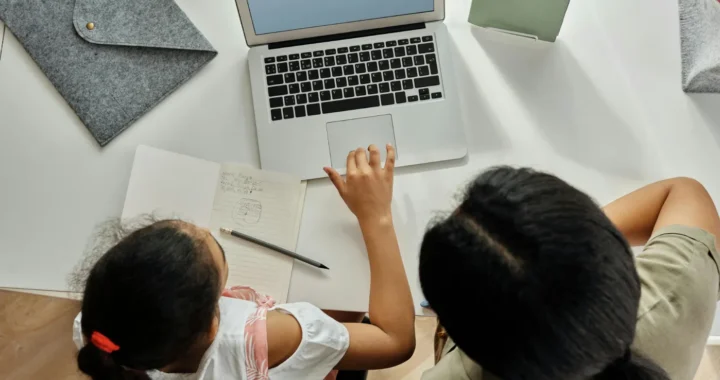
{"type": "Point", "coordinates": [353, 77]}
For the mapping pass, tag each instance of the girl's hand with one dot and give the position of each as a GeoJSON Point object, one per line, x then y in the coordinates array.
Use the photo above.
{"type": "Point", "coordinates": [367, 187]}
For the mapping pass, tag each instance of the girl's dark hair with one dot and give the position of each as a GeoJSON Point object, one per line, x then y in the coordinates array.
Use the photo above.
{"type": "Point", "coordinates": [155, 295]}
{"type": "Point", "coordinates": [532, 281]}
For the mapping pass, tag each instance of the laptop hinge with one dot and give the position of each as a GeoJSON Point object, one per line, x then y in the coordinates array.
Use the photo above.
{"type": "Point", "coordinates": [347, 36]}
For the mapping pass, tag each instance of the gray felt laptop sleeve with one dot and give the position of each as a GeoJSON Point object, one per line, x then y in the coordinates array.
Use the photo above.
{"type": "Point", "coordinates": [112, 60]}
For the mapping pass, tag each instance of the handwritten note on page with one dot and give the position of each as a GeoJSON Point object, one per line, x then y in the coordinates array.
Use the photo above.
{"type": "Point", "coordinates": [264, 205]}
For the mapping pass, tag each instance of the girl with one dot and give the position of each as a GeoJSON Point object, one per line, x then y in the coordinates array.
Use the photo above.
{"type": "Point", "coordinates": [153, 305]}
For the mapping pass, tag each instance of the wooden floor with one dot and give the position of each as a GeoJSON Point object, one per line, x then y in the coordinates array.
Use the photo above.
{"type": "Point", "coordinates": [36, 342]}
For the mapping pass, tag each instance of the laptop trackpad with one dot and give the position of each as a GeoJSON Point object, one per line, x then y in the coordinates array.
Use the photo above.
{"type": "Point", "coordinates": [347, 135]}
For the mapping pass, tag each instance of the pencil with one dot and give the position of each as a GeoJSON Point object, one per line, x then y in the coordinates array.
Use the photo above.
{"type": "Point", "coordinates": [273, 247]}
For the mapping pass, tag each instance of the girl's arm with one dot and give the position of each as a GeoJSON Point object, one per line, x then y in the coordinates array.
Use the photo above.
{"type": "Point", "coordinates": [367, 190]}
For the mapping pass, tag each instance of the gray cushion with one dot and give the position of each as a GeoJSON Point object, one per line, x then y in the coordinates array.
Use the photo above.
{"type": "Point", "coordinates": [136, 54]}
{"type": "Point", "coordinates": [700, 42]}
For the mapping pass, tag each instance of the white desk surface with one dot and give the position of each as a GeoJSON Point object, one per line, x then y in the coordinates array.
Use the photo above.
{"type": "Point", "coordinates": [602, 108]}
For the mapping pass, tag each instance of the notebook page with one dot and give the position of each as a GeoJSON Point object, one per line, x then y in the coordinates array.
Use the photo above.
{"type": "Point", "coordinates": [264, 205]}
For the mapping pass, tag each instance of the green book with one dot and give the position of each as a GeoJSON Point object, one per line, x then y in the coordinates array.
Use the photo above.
{"type": "Point", "coordinates": [539, 18]}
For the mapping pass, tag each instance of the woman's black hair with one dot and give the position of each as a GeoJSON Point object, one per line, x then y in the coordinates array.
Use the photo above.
{"type": "Point", "coordinates": [532, 281]}
{"type": "Point", "coordinates": [154, 295]}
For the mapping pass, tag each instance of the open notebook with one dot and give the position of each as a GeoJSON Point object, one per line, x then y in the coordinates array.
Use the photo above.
{"type": "Point", "coordinates": [258, 203]}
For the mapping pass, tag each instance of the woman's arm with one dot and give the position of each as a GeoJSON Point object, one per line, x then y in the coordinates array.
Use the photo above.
{"type": "Point", "coordinates": [367, 190]}
{"type": "Point", "coordinates": [674, 201]}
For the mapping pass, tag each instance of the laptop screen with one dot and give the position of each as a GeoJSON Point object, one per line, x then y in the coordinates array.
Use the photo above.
{"type": "Point", "coordinates": [272, 16]}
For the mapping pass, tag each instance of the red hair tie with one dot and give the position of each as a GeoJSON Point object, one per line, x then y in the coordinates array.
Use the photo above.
{"type": "Point", "coordinates": [103, 343]}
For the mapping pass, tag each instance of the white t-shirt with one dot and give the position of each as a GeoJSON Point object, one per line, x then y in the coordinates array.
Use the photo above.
{"type": "Point", "coordinates": [324, 343]}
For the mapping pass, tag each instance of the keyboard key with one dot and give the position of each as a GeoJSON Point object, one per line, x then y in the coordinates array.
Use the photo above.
{"type": "Point", "coordinates": [325, 73]}
{"type": "Point", "coordinates": [437, 95]}
{"type": "Point", "coordinates": [378, 45]}
{"type": "Point", "coordinates": [360, 68]}
{"type": "Point", "coordinates": [419, 60]}
{"type": "Point", "coordinates": [377, 55]}
{"type": "Point", "coordinates": [427, 81]}
{"type": "Point", "coordinates": [372, 89]}
{"type": "Point", "coordinates": [341, 82]}
{"type": "Point", "coordinates": [364, 56]}
{"type": "Point", "coordinates": [351, 104]}
{"type": "Point", "coordinates": [372, 66]}
{"type": "Point", "coordinates": [433, 68]}
{"type": "Point", "coordinates": [396, 86]}
{"type": "Point", "coordinates": [329, 84]}
{"type": "Point", "coordinates": [424, 71]}
{"type": "Point", "coordinates": [367, 46]}
{"type": "Point", "coordinates": [355, 48]}
{"type": "Point", "coordinates": [384, 87]}
{"type": "Point", "coordinates": [365, 79]}
{"type": "Point", "coordinates": [353, 80]}
{"type": "Point", "coordinates": [313, 74]}
{"type": "Point", "coordinates": [274, 79]}
{"type": "Point", "coordinates": [337, 71]}
{"type": "Point", "coordinates": [294, 56]}
{"type": "Point", "coordinates": [301, 76]}
{"type": "Point", "coordinates": [300, 111]}
{"type": "Point", "coordinates": [400, 97]}
{"type": "Point", "coordinates": [412, 72]}
{"type": "Point", "coordinates": [313, 97]}
{"type": "Point", "coordinates": [395, 63]}
{"type": "Point", "coordinates": [325, 96]}
{"type": "Point", "coordinates": [317, 63]}
{"type": "Point", "coordinates": [424, 91]}
{"type": "Point", "coordinates": [306, 55]}
{"type": "Point", "coordinates": [318, 53]}
{"type": "Point", "coordinates": [430, 58]}
{"type": "Point", "coordinates": [391, 43]}
{"type": "Point", "coordinates": [376, 77]}
{"type": "Point", "coordinates": [349, 70]}
{"type": "Point", "coordinates": [404, 41]}
{"type": "Point", "coordinates": [388, 76]}
{"type": "Point", "coordinates": [294, 88]}
{"type": "Point", "coordinates": [341, 59]}
{"type": "Point", "coordinates": [313, 109]}
{"type": "Point", "coordinates": [349, 92]}
{"type": "Point", "coordinates": [289, 77]}
{"type": "Point", "coordinates": [413, 98]}
{"type": "Point", "coordinates": [329, 51]}
{"type": "Point", "coordinates": [278, 90]}
{"type": "Point", "coordinates": [270, 60]}
{"type": "Point", "coordinates": [426, 48]}
{"type": "Point", "coordinates": [276, 114]}
{"type": "Point", "coordinates": [384, 65]}
{"type": "Point", "coordinates": [387, 99]}
{"type": "Point", "coordinates": [407, 61]}
{"type": "Point", "coordinates": [282, 58]}
{"type": "Point", "coordinates": [301, 98]}
{"type": "Point", "coordinates": [329, 61]}
{"type": "Point", "coordinates": [412, 50]}
{"type": "Point", "coordinates": [276, 102]}
{"type": "Point", "coordinates": [290, 100]}
{"type": "Point", "coordinates": [415, 40]}
{"type": "Point", "coordinates": [337, 94]}
{"type": "Point", "coordinates": [317, 85]}
{"type": "Point", "coordinates": [424, 97]}
{"type": "Point", "coordinates": [407, 84]}
{"type": "Point", "coordinates": [342, 50]}
{"type": "Point", "coordinates": [360, 91]}
{"type": "Point", "coordinates": [400, 51]}
{"type": "Point", "coordinates": [388, 53]}
{"type": "Point", "coordinates": [353, 58]}
{"type": "Point", "coordinates": [305, 87]}
{"type": "Point", "coordinates": [270, 69]}
{"type": "Point", "coordinates": [400, 74]}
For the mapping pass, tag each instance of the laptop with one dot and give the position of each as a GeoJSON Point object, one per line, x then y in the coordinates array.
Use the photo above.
{"type": "Point", "coordinates": [329, 76]}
